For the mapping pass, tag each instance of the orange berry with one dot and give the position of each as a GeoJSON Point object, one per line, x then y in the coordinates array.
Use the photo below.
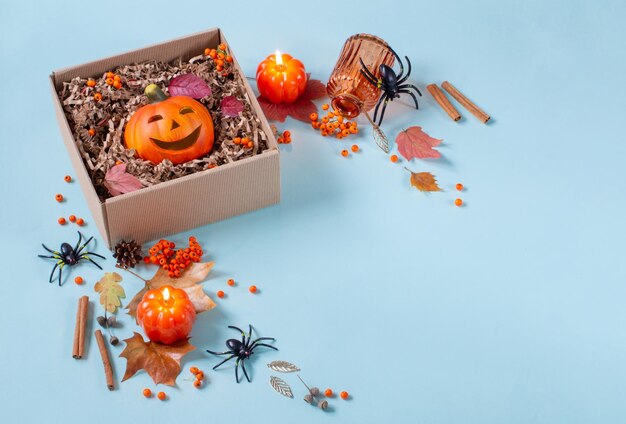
{"type": "Point", "coordinates": [194, 370]}
{"type": "Point", "coordinates": [280, 140]}
{"type": "Point", "coordinates": [61, 221]}
{"type": "Point", "coordinates": [219, 62]}
{"type": "Point", "coordinates": [313, 116]}
{"type": "Point", "coordinates": [355, 148]}
{"type": "Point", "coordinates": [146, 260]}
{"type": "Point", "coordinates": [325, 106]}
{"type": "Point", "coordinates": [221, 56]}
{"type": "Point", "coordinates": [328, 392]}
{"type": "Point", "coordinates": [207, 51]}
{"type": "Point", "coordinates": [345, 133]}
{"type": "Point", "coordinates": [250, 145]}
{"type": "Point", "coordinates": [200, 375]}
{"type": "Point", "coordinates": [109, 81]}
{"type": "Point", "coordinates": [58, 197]}
{"type": "Point", "coordinates": [80, 222]}
{"type": "Point", "coordinates": [229, 59]}
{"type": "Point", "coordinates": [72, 218]}
{"type": "Point", "coordinates": [344, 395]}
{"type": "Point", "coordinates": [325, 119]}
{"type": "Point", "coordinates": [237, 140]}
{"type": "Point", "coordinates": [231, 282]}
{"type": "Point", "coordinates": [67, 179]}
{"type": "Point", "coordinates": [91, 132]}
{"type": "Point", "coordinates": [110, 75]}
{"type": "Point", "coordinates": [221, 46]}
{"type": "Point", "coordinates": [458, 202]}
{"type": "Point", "coordinates": [394, 158]}
{"type": "Point", "coordinates": [197, 384]}
{"type": "Point", "coordinates": [161, 395]}
{"type": "Point", "coordinates": [353, 130]}
{"type": "Point", "coordinates": [117, 78]}
{"type": "Point", "coordinates": [252, 289]}
{"type": "Point", "coordinates": [220, 294]}
{"type": "Point", "coordinates": [147, 392]}
{"type": "Point", "coordinates": [245, 140]}
{"type": "Point", "coordinates": [78, 280]}
{"type": "Point", "coordinates": [459, 187]}
{"type": "Point", "coordinates": [91, 83]}
{"type": "Point", "coordinates": [287, 134]}
{"type": "Point", "coordinates": [97, 97]}
{"type": "Point", "coordinates": [117, 84]}
{"type": "Point", "coordinates": [344, 153]}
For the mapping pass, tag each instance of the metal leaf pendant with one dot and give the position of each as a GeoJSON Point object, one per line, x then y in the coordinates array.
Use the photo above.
{"type": "Point", "coordinates": [281, 386]}
{"type": "Point", "coordinates": [283, 366]}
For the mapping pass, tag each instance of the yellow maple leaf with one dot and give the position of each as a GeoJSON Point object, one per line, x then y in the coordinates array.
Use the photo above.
{"type": "Point", "coordinates": [110, 291]}
{"type": "Point", "coordinates": [423, 181]}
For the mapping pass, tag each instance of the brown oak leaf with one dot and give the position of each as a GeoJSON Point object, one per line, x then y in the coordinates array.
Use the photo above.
{"type": "Point", "coordinates": [300, 109]}
{"type": "Point", "coordinates": [188, 281]}
{"type": "Point", "coordinates": [423, 181]}
{"type": "Point", "coordinates": [160, 361]}
{"type": "Point", "coordinates": [415, 143]}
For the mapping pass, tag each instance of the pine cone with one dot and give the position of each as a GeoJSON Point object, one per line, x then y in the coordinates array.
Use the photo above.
{"type": "Point", "coordinates": [127, 253]}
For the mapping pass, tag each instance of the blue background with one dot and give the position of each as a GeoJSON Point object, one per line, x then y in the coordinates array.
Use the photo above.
{"type": "Point", "coordinates": [510, 309]}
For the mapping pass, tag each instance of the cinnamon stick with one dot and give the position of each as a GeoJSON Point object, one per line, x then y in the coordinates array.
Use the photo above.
{"type": "Point", "coordinates": [465, 102]}
{"type": "Point", "coordinates": [443, 101]}
{"type": "Point", "coordinates": [108, 369]}
{"type": "Point", "coordinates": [78, 349]}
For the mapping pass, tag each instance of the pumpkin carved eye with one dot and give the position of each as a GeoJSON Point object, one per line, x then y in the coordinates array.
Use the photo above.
{"type": "Point", "coordinates": [185, 110]}
{"type": "Point", "coordinates": [154, 118]}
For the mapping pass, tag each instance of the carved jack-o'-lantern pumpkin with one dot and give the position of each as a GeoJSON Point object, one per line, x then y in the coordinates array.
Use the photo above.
{"type": "Point", "coordinates": [177, 128]}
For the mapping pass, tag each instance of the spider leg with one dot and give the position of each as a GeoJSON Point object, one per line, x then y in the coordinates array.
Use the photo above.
{"type": "Point", "coordinates": [94, 254]}
{"type": "Point", "coordinates": [243, 335]}
{"type": "Point", "coordinates": [225, 360]}
{"type": "Point", "coordinates": [217, 353]}
{"type": "Point", "coordinates": [237, 370]}
{"type": "Point", "coordinates": [368, 73]}
{"type": "Point", "coordinates": [52, 273]}
{"type": "Point", "coordinates": [80, 237]}
{"type": "Point", "coordinates": [90, 260]}
{"type": "Point", "coordinates": [410, 86]}
{"type": "Point", "coordinates": [382, 112]}
{"type": "Point", "coordinates": [249, 335]}
{"type": "Point", "coordinates": [243, 367]}
{"type": "Point", "coordinates": [399, 62]}
{"type": "Point", "coordinates": [401, 78]}
{"type": "Point", "coordinates": [367, 77]}
{"type": "Point", "coordinates": [380, 100]}
{"type": "Point", "coordinates": [49, 257]}
{"type": "Point", "coordinates": [266, 345]}
{"type": "Point", "coordinates": [412, 95]}
{"type": "Point", "coordinates": [84, 245]}
{"type": "Point", "coordinates": [60, 272]}
{"type": "Point", "coordinates": [49, 250]}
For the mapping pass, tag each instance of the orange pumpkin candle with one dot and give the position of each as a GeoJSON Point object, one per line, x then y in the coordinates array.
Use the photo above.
{"type": "Point", "coordinates": [280, 78]}
{"type": "Point", "coordinates": [166, 314]}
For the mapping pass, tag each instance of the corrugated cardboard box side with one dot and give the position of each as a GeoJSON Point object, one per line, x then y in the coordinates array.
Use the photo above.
{"type": "Point", "coordinates": [186, 202]}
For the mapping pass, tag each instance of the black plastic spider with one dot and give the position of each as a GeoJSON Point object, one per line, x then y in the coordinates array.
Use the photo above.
{"type": "Point", "coordinates": [70, 256]}
{"type": "Point", "coordinates": [241, 350]}
{"type": "Point", "coordinates": [390, 83]}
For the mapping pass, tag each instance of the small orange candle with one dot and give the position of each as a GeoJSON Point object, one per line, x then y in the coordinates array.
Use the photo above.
{"type": "Point", "coordinates": [280, 78]}
{"type": "Point", "coordinates": [166, 314]}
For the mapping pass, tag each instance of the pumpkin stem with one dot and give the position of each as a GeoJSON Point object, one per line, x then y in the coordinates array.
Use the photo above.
{"type": "Point", "coordinates": [154, 93]}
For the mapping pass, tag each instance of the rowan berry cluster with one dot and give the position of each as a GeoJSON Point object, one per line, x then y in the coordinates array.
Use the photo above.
{"type": "Point", "coordinates": [220, 56]}
{"type": "Point", "coordinates": [333, 123]}
{"type": "Point", "coordinates": [172, 260]}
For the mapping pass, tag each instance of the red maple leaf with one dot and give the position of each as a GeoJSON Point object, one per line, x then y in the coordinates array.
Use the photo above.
{"type": "Point", "coordinates": [415, 143]}
{"type": "Point", "coordinates": [300, 109]}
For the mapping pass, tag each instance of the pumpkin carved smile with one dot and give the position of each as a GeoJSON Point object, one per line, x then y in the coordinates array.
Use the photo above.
{"type": "Point", "coordinates": [179, 129]}
{"type": "Point", "coordinates": [182, 144]}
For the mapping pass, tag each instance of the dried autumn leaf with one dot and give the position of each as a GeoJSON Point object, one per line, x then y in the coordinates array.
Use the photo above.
{"type": "Point", "coordinates": [300, 109]}
{"type": "Point", "coordinates": [415, 143]}
{"type": "Point", "coordinates": [118, 181]}
{"type": "Point", "coordinates": [194, 274]}
{"type": "Point", "coordinates": [189, 85]}
{"type": "Point", "coordinates": [110, 291]}
{"type": "Point", "coordinates": [231, 106]}
{"type": "Point", "coordinates": [160, 361]}
{"type": "Point", "coordinates": [423, 181]}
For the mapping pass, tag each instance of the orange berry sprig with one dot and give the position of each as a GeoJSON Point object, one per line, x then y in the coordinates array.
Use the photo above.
{"type": "Point", "coordinates": [333, 124]}
{"type": "Point", "coordinates": [285, 138]}
{"type": "Point", "coordinates": [164, 254]}
{"type": "Point", "coordinates": [244, 142]}
{"type": "Point", "coordinates": [220, 57]}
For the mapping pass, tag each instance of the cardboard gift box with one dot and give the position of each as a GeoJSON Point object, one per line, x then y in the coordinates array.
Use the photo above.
{"type": "Point", "coordinates": [186, 202]}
